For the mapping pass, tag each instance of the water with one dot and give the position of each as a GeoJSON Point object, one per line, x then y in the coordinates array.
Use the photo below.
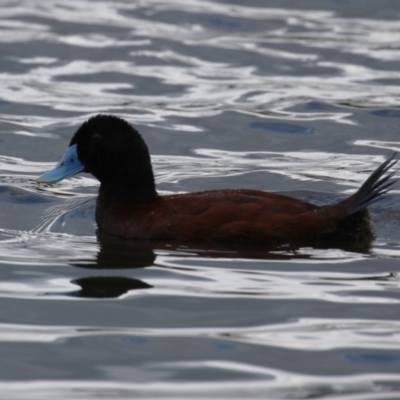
{"type": "Point", "coordinates": [301, 99]}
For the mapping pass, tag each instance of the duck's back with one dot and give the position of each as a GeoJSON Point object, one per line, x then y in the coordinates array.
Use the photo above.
{"type": "Point", "coordinates": [217, 215]}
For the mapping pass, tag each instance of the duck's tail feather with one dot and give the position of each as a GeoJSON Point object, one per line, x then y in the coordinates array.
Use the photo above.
{"type": "Point", "coordinates": [375, 186]}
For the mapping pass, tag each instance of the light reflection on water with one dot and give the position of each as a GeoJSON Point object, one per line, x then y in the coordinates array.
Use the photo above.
{"type": "Point", "coordinates": [268, 382]}
{"type": "Point", "coordinates": [305, 334]}
{"type": "Point", "coordinates": [201, 85]}
{"type": "Point", "coordinates": [298, 100]}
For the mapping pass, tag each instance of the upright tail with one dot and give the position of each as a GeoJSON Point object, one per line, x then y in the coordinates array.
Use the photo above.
{"type": "Point", "coordinates": [375, 186]}
{"type": "Point", "coordinates": [347, 222]}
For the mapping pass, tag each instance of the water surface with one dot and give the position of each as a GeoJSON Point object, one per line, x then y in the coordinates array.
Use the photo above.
{"type": "Point", "coordinates": [299, 99]}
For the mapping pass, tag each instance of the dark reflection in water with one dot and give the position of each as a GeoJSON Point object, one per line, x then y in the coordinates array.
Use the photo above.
{"type": "Point", "coordinates": [114, 253]}
{"type": "Point", "coordinates": [118, 253]}
{"type": "Point", "coordinates": [391, 276]}
{"type": "Point", "coordinates": [106, 286]}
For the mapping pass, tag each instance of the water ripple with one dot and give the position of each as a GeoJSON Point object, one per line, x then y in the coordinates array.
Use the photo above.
{"type": "Point", "coordinates": [212, 85]}
{"type": "Point", "coordinates": [307, 334]}
{"type": "Point", "coordinates": [205, 86]}
{"type": "Point", "coordinates": [267, 383]}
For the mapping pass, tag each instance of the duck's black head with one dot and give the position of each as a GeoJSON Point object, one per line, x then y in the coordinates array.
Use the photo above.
{"type": "Point", "coordinates": [115, 153]}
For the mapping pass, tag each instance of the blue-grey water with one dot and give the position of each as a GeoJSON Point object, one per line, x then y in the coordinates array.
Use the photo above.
{"type": "Point", "coordinates": [301, 98]}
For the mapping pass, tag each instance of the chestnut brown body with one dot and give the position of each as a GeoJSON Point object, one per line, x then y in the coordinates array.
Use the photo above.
{"type": "Point", "coordinates": [231, 216]}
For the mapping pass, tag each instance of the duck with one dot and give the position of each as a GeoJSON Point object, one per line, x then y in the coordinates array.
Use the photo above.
{"type": "Point", "coordinates": [128, 204]}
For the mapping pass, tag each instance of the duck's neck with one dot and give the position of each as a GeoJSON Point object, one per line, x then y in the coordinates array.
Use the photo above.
{"type": "Point", "coordinates": [130, 178]}
{"type": "Point", "coordinates": [133, 192]}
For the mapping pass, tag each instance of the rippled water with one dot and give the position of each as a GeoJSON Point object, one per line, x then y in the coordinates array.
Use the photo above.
{"type": "Point", "coordinates": [296, 97]}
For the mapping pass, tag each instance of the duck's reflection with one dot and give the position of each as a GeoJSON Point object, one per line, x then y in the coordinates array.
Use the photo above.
{"type": "Point", "coordinates": [117, 253]}
{"type": "Point", "coordinates": [101, 287]}
{"type": "Point", "coordinates": [114, 253]}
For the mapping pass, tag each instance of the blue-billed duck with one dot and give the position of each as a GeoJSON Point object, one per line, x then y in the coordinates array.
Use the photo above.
{"type": "Point", "coordinates": [128, 204]}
